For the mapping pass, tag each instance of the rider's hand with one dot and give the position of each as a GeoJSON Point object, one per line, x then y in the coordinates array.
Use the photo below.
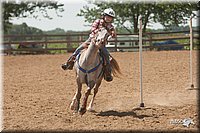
{"type": "Point", "coordinates": [113, 33]}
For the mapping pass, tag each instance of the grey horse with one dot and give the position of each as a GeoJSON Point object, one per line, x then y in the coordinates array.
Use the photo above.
{"type": "Point", "coordinates": [89, 71]}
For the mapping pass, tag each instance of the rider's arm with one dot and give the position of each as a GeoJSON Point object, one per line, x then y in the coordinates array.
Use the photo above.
{"type": "Point", "coordinates": [95, 25]}
{"type": "Point", "coordinates": [111, 30]}
{"type": "Point", "coordinates": [113, 33]}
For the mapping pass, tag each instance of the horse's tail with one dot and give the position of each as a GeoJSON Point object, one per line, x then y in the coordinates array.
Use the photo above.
{"type": "Point", "coordinates": [115, 67]}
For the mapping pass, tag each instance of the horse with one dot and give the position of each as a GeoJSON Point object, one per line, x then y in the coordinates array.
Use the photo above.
{"type": "Point", "coordinates": [89, 70]}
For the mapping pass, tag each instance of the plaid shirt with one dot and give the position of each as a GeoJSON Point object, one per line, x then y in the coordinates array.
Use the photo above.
{"type": "Point", "coordinates": [99, 23]}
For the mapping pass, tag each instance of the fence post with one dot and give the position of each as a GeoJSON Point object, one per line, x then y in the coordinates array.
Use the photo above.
{"type": "Point", "coordinates": [80, 37]}
{"type": "Point", "coordinates": [9, 48]}
{"type": "Point", "coordinates": [191, 48]}
{"type": "Point", "coordinates": [140, 57]}
{"type": "Point", "coordinates": [45, 44]}
{"type": "Point", "coordinates": [150, 41]}
{"type": "Point", "coordinates": [69, 47]}
{"type": "Point", "coordinates": [116, 43]}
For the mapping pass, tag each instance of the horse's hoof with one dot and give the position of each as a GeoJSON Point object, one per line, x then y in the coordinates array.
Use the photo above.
{"type": "Point", "coordinates": [82, 111]}
{"type": "Point", "coordinates": [75, 112]}
{"type": "Point", "coordinates": [90, 110]}
{"type": "Point", "coordinates": [72, 106]}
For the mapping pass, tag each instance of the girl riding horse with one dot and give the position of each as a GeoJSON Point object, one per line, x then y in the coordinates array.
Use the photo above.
{"type": "Point", "coordinates": [106, 21]}
{"type": "Point", "coordinates": [89, 71]}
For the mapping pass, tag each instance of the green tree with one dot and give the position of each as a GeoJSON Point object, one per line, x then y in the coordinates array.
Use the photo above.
{"type": "Point", "coordinates": [24, 29]}
{"type": "Point", "coordinates": [55, 31]}
{"type": "Point", "coordinates": [127, 13]}
{"type": "Point", "coordinates": [27, 9]}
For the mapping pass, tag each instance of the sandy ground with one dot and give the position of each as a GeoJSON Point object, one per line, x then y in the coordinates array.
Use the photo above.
{"type": "Point", "coordinates": [37, 94]}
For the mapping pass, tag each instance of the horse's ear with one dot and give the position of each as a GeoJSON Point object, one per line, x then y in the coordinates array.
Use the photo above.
{"type": "Point", "coordinates": [93, 40]}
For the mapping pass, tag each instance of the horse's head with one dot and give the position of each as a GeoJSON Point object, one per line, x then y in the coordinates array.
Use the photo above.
{"type": "Point", "coordinates": [101, 37]}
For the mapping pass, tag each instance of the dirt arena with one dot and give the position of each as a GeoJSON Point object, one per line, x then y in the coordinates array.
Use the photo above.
{"type": "Point", "coordinates": [37, 94]}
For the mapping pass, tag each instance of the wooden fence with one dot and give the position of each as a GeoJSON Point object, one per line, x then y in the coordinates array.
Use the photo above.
{"type": "Point", "coordinates": [41, 43]}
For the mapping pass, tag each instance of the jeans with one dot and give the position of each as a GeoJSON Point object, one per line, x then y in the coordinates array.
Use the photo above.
{"type": "Point", "coordinates": [78, 50]}
{"type": "Point", "coordinates": [106, 54]}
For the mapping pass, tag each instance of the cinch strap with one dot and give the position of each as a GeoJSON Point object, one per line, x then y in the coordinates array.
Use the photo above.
{"type": "Point", "coordinates": [87, 71]}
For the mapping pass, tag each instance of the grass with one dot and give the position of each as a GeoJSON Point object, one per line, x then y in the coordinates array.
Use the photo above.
{"type": "Point", "coordinates": [61, 45]}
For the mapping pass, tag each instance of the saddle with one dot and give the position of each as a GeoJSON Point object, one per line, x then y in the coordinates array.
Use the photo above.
{"type": "Point", "coordinates": [102, 57]}
{"type": "Point", "coordinates": [106, 71]}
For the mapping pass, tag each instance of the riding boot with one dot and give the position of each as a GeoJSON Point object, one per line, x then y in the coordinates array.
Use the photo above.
{"type": "Point", "coordinates": [70, 62]}
{"type": "Point", "coordinates": [107, 68]}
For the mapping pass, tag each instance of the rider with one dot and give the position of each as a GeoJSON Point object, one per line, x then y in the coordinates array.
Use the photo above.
{"type": "Point", "coordinates": [106, 21]}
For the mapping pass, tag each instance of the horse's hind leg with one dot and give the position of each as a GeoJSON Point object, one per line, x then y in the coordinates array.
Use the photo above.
{"type": "Point", "coordinates": [96, 88]}
{"type": "Point", "coordinates": [76, 100]}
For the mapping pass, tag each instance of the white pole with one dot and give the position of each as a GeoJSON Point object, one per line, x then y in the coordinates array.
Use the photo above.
{"type": "Point", "coordinates": [191, 48]}
{"type": "Point", "coordinates": [140, 52]}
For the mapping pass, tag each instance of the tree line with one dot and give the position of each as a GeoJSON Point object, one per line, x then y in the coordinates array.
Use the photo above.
{"type": "Point", "coordinates": [170, 15]}
{"type": "Point", "coordinates": [127, 13]}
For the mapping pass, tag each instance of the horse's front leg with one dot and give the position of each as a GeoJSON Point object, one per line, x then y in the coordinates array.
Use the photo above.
{"type": "Point", "coordinates": [82, 110]}
{"type": "Point", "coordinates": [96, 88]}
{"type": "Point", "coordinates": [76, 100]}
